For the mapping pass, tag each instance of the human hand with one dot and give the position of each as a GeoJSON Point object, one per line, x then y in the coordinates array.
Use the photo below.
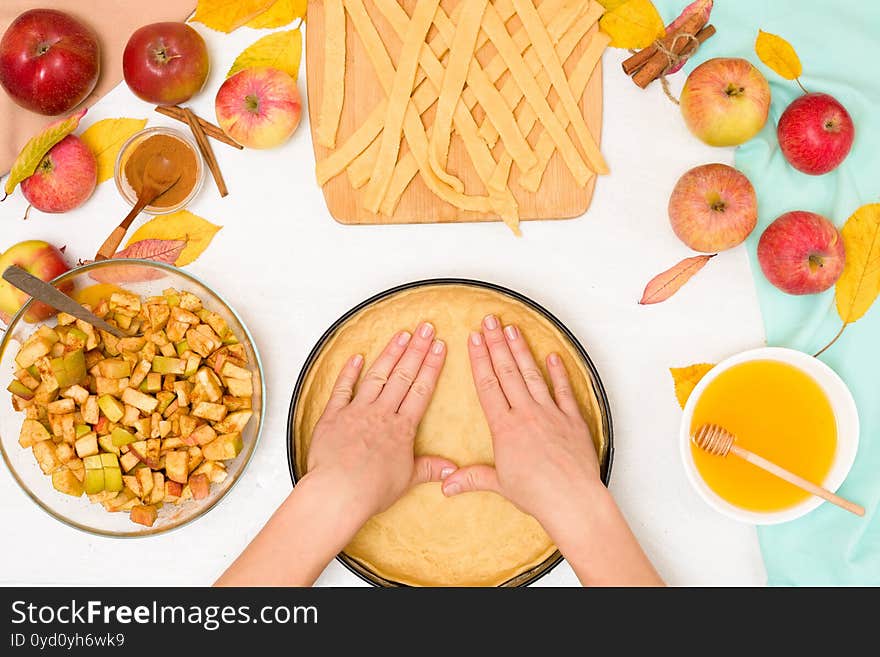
{"type": "Point", "coordinates": [544, 456]}
{"type": "Point", "coordinates": [364, 439]}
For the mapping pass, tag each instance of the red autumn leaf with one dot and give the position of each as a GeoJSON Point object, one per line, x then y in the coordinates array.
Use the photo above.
{"type": "Point", "coordinates": [704, 6]}
{"type": "Point", "coordinates": [165, 251]}
{"type": "Point", "coordinates": [664, 285]}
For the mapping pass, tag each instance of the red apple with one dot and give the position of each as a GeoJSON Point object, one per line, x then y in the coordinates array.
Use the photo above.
{"type": "Point", "coordinates": [165, 63]}
{"type": "Point", "coordinates": [713, 207]}
{"type": "Point", "coordinates": [725, 101]}
{"type": "Point", "coordinates": [65, 178]}
{"type": "Point", "coordinates": [43, 261]}
{"type": "Point", "coordinates": [259, 107]}
{"type": "Point", "coordinates": [815, 133]}
{"type": "Point", "coordinates": [49, 61]}
{"type": "Point", "coordinates": [801, 253]}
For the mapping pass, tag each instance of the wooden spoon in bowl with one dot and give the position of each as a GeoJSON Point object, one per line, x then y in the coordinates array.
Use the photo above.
{"type": "Point", "coordinates": [160, 175]}
{"type": "Point", "coordinates": [720, 442]}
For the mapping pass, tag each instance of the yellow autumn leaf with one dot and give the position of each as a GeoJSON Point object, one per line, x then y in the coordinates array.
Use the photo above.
{"type": "Point", "coordinates": [611, 5]}
{"type": "Point", "coordinates": [686, 379]}
{"type": "Point", "coordinates": [282, 13]}
{"type": "Point", "coordinates": [778, 54]}
{"type": "Point", "coordinates": [30, 156]}
{"type": "Point", "coordinates": [859, 284]}
{"type": "Point", "coordinates": [633, 24]}
{"type": "Point", "coordinates": [281, 50]}
{"type": "Point", "coordinates": [228, 15]}
{"type": "Point", "coordinates": [105, 138]}
{"type": "Point", "coordinates": [183, 226]}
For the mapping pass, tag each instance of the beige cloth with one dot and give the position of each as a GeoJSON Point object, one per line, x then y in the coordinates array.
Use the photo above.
{"type": "Point", "coordinates": [113, 21]}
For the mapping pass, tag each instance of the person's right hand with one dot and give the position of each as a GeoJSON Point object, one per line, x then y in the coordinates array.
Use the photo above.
{"type": "Point", "coordinates": [544, 456]}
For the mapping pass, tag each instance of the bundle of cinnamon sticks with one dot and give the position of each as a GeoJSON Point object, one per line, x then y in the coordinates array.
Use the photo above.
{"type": "Point", "coordinates": [654, 61]}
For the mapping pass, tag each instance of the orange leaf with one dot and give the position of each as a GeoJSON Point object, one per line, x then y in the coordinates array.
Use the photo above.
{"type": "Point", "coordinates": [686, 379]}
{"type": "Point", "coordinates": [664, 285]}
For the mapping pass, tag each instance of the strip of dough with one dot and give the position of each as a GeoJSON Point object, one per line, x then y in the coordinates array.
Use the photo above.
{"type": "Point", "coordinates": [333, 91]}
{"type": "Point", "coordinates": [560, 29]}
{"type": "Point", "coordinates": [460, 55]}
{"type": "Point", "coordinates": [580, 77]}
{"type": "Point", "coordinates": [426, 95]}
{"type": "Point", "coordinates": [398, 102]}
{"type": "Point", "coordinates": [412, 125]}
{"type": "Point", "coordinates": [497, 32]}
{"type": "Point", "coordinates": [544, 47]}
{"type": "Point", "coordinates": [527, 118]}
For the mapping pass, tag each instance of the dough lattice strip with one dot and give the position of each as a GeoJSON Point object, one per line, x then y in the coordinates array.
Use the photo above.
{"type": "Point", "coordinates": [333, 90]}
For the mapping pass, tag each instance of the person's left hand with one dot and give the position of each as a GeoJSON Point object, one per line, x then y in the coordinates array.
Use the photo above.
{"type": "Point", "coordinates": [364, 439]}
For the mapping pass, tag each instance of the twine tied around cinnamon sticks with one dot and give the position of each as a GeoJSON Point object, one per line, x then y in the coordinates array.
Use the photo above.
{"type": "Point", "coordinates": [655, 61]}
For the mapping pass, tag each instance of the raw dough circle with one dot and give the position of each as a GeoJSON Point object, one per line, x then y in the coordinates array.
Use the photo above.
{"type": "Point", "coordinates": [426, 539]}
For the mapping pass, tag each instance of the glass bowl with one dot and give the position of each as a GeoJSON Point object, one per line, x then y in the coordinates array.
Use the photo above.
{"type": "Point", "coordinates": [127, 191]}
{"type": "Point", "coordinates": [80, 512]}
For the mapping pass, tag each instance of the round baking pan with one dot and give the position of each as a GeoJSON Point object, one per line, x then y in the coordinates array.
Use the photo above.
{"type": "Point", "coordinates": [532, 575]}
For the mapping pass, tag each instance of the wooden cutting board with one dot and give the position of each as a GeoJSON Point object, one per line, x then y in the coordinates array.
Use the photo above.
{"type": "Point", "coordinates": [559, 196]}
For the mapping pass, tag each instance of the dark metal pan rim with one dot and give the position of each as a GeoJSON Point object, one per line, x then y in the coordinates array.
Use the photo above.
{"type": "Point", "coordinates": [534, 574]}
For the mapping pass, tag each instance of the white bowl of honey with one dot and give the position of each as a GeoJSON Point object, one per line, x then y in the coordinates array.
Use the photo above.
{"type": "Point", "coordinates": [785, 405]}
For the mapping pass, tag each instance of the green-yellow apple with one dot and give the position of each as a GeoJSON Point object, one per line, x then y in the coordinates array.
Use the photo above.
{"type": "Point", "coordinates": [725, 101]}
{"type": "Point", "coordinates": [259, 107]}
{"type": "Point", "coordinates": [65, 178]}
{"type": "Point", "coordinates": [713, 207]}
{"type": "Point", "coordinates": [801, 253]}
{"type": "Point", "coordinates": [43, 261]}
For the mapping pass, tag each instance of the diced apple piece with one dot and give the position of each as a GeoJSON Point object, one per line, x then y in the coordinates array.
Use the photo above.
{"type": "Point", "coordinates": [19, 404]}
{"type": "Point", "coordinates": [115, 368]}
{"type": "Point", "coordinates": [168, 350]}
{"type": "Point", "coordinates": [19, 389]}
{"type": "Point", "coordinates": [173, 407]}
{"type": "Point", "coordinates": [164, 428]}
{"type": "Point", "coordinates": [104, 426]}
{"type": "Point", "coordinates": [140, 373]}
{"type": "Point", "coordinates": [189, 301]}
{"type": "Point", "coordinates": [209, 411]}
{"type": "Point", "coordinates": [144, 514]}
{"type": "Point", "coordinates": [61, 407]}
{"type": "Point", "coordinates": [131, 345]}
{"type": "Point", "coordinates": [203, 341]}
{"type": "Point", "coordinates": [195, 458]}
{"type": "Point", "coordinates": [145, 403]}
{"type": "Point", "coordinates": [165, 365]}
{"type": "Point", "coordinates": [165, 398]}
{"type": "Point", "coordinates": [192, 364]}
{"type": "Point", "coordinates": [112, 473]}
{"type": "Point", "coordinates": [31, 351]}
{"type": "Point", "coordinates": [224, 447]}
{"type": "Point", "coordinates": [200, 486]}
{"type": "Point", "coordinates": [87, 445]}
{"type": "Point", "coordinates": [27, 379]}
{"type": "Point", "coordinates": [171, 443]}
{"type": "Point", "coordinates": [145, 477]}
{"type": "Point", "coordinates": [106, 444]}
{"type": "Point", "coordinates": [91, 410]}
{"type": "Point", "coordinates": [64, 452]}
{"type": "Point", "coordinates": [133, 483]}
{"type": "Point", "coordinates": [215, 471]}
{"type": "Point", "coordinates": [111, 408]}
{"type": "Point", "coordinates": [77, 393]}
{"type": "Point", "coordinates": [183, 389]}
{"type": "Point", "coordinates": [175, 331]}
{"type": "Point", "coordinates": [152, 382]}
{"type": "Point", "coordinates": [46, 456]}
{"type": "Point", "coordinates": [68, 428]}
{"type": "Point", "coordinates": [69, 369]}
{"type": "Point", "coordinates": [184, 316]}
{"type": "Point", "coordinates": [113, 387]}
{"type": "Point", "coordinates": [128, 461]}
{"type": "Point", "coordinates": [208, 385]}
{"type": "Point", "coordinates": [148, 456]}
{"type": "Point", "coordinates": [237, 403]}
{"type": "Point", "coordinates": [118, 502]}
{"type": "Point", "coordinates": [125, 301]}
{"type": "Point", "coordinates": [240, 387]}
{"type": "Point", "coordinates": [122, 437]}
{"type": "Point", "coordinates": [32, 432]}
{"type": "Point", "coordinates": [176, 466]}
{"type": "Point", "coordinates": [157, 314]}
{"type": "Point", "coordinates": [232, 371]}
{"type": "Point", "coordinates": [158, 492]}
{"type": "Point", "coordinates": [46, 392]}
{"type": "Point", "coordinates": [77, 468]}
{"type": "Point", "coordinates": [234, 422]}
{"type": "Point", "coordinates": [131, 416]}
{"type": "Point", "coordinates": [94, 481]}
{"type": "Point", "coordinates": [202, 435]}
{"type": "Point", "coordinates": [66, 482]}
{"type": "Point", "coordinates": [173, 490]}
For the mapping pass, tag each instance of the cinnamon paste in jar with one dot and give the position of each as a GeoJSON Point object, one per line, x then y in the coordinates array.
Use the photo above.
{"type": "Point", "coordinates": [177, 151]}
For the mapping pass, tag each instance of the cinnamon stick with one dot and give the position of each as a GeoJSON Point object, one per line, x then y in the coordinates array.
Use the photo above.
{"type": "Point", "coordinates": [213, 131]}
{"type": "Point", "coordinates": [692, 25]}
{"type": "Point", "coordinates": [205, 148]}
{"type": "Point", "coordinates": [658, 63]}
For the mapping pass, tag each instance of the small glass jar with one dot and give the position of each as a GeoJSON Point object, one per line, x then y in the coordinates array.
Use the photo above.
{"type": "Point", "coordinates": [128, 192]}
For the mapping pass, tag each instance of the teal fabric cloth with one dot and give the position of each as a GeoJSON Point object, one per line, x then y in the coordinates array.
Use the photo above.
{"type": "Point", "coordinates": [839, 46]}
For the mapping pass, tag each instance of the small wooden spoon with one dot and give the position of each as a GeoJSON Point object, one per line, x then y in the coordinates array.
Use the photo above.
{"type": "Point", "coordinates": [160, 175]}
{"type": "Point", "coordinates": [720, 442]}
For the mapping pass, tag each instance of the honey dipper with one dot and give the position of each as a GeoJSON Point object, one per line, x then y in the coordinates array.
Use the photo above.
{"type": "Point", "coordinates": [718, 441]}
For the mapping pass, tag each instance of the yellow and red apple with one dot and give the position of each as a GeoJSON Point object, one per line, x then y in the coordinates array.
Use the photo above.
{"type": "Point", "coordinates": [64, 179]}
{"type": "Point", "coordinates": [39, 259]}
{"type": "Point", "coordinates": [725, 101]}
{"type": "Point", "coordinates": [259, 107]}
{"type": "Point", "coordinates": [713, 207]}
{"type": "Point", "coordinates": [815, 133]}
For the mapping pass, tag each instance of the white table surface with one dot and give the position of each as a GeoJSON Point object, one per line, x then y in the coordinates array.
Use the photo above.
{"type": "Point", "coordinates": [290, 270]}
